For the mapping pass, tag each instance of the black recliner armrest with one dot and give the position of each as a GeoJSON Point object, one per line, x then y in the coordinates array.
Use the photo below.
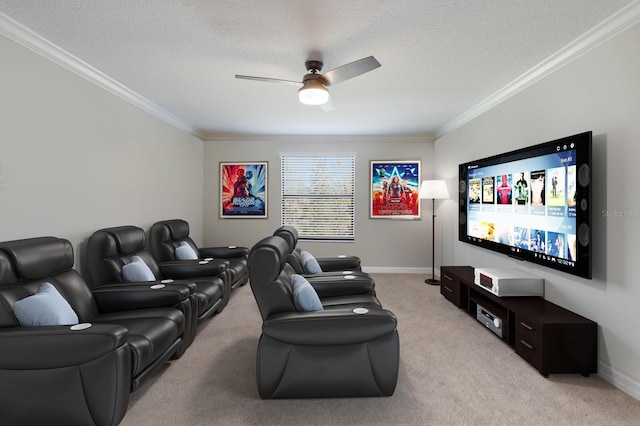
{"type": "Point", "coordinates": [341, 285]}
{"type": "Point", "coordinates": [80, 376]}
{"type": "Point", "coordinates": [41, 348]}
{"type": "Point", "coordinates": [223, 252]}
{"type": "Point", "coordinates": [186, 269]}
{"type": "Point", "coordinates": [339, 263]}
{"type": "Point", "coordinates": [331, 327]}
{"type": "Point", "coordinates": [124, 297]}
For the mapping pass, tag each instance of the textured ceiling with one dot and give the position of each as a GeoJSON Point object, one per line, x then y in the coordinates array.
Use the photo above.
{"type": "Point", "coordinates": [440, 59]}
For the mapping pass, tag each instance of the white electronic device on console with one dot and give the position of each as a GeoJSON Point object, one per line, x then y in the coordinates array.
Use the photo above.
{"type": "Point", "coordinates": [504, 282]}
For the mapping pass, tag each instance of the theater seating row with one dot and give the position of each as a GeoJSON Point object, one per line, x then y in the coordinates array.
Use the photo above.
{"type": "Point", "coordinates": [324, 331]}
{"type": "Point", "coordinates": [77, 345]}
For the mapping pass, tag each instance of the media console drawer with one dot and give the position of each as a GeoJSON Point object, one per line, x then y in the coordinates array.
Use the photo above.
{"type": "Point", "coordinates": [451, 286]}
{"type": "Point", "coordinates": [528, 341]}
{"type": "Point", "coordinates": [553, 339]}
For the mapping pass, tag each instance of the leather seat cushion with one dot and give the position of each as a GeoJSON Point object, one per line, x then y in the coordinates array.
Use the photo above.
{"type": "Point", "coordinates": [151, 332]}
{"type": "Point", "coordinates": [237, 268]}
{"type": "Point", "coordinates": [208, 292]}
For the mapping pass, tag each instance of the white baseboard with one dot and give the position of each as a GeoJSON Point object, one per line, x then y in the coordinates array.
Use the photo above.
{"type": "Point", "coordinates": [395, 270]}
{"type": "Point", "coordinates": [620, 380]}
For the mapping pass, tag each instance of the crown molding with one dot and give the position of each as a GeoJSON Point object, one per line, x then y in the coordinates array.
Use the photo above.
{"type": "Point", "coordinates": [614, 25]}
{"type": "Point", "coordinates": [35, 42]}
{"type": "Point", "coordinates": [228, 137]}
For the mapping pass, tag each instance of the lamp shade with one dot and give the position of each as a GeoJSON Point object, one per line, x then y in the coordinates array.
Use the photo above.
{"type": "Point", "coordinates": [433, 189]}
{"type": "Point", "coordinates": [313, 93]}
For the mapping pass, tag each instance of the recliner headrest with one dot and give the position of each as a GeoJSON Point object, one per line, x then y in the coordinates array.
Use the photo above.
{"type": "Point", "coordinates": [268, 256]}
{"type": "Point", "coordinates": [7, 273]}
{"type": "Point", "coordinates": [290, 235]}
{"type": "Point", "coordinates": [35, 258]}
{"type": "Point", "coordinates": [179, 228]}
{"type": "Point", "coordinates": [128, 239]}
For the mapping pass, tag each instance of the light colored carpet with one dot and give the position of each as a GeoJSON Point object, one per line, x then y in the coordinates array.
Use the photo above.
{"type": "Point", "coordinates": [452, 372]}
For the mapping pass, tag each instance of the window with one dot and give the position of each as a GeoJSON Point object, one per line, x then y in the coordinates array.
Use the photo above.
{"type": "Point", "coordinates": [318, 195]}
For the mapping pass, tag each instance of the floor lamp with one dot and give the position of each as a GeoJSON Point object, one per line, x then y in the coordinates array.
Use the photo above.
{"type": "Point", "coordinates": [433, 189]}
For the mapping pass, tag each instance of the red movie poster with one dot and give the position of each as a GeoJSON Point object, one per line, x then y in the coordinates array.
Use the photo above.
{"type": "Point", "coordinates": [394, 189]}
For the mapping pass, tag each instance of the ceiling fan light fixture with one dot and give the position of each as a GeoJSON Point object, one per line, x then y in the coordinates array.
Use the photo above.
{"type": "Point", "coordinates": [313, 93]}
{"type": "Point", "coordinates": [314, 85]}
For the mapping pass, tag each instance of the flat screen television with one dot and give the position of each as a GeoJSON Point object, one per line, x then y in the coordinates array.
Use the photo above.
{"type": "Point", "coordinates": [533, 204]}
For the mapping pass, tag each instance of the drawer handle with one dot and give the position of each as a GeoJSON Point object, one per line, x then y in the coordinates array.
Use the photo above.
{"type": "Point", "coordinates": [527, 326]}
{"type": "Point", "coordinates": [447, 288]}
{"type": "Point", "coordinates": [448, 277]}
{"type": "Point", "coordinates": [528, 345]}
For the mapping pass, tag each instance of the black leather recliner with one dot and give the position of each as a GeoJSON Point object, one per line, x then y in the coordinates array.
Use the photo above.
{"type": "Point", "coordinates": [109, 249]}
{"type": "Point", "coordinates": [61, 374]}
{"type": "Point", "coordinates": [166, 235]}
{"type": "Point", "coordinates": [330, 283]}
{"type": "Point", "coordinates": [340, 351]}
{"type": "Point", "coordinates": [327, 263]}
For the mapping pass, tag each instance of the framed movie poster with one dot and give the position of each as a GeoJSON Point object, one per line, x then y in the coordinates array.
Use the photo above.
{"type": "Point", "coordinates": [395, 186]}
{"type": "Point", "coordinates": [243, 190]}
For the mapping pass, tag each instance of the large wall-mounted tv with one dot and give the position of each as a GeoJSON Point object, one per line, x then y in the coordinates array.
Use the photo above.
{"type": "Point", "coordinates": [533, 204]}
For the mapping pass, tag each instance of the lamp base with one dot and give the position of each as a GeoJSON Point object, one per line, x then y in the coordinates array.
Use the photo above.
{"type": "Point", "coordinates": [432, 281]}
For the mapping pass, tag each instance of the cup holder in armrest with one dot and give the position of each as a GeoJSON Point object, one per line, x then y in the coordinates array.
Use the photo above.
{"type": "Point", "coordinates": [81, 326]}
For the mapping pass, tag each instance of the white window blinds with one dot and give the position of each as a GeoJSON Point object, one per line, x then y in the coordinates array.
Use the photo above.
{"type": "Point", "coordinates": [318, 196]}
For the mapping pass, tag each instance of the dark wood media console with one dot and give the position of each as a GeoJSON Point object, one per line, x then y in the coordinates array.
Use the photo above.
{"type": "Point", "coordinates": [549, 337]}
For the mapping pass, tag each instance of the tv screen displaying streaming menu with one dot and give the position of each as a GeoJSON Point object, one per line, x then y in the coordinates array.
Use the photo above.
{"type": "Point", "coordinates": [533, 204]}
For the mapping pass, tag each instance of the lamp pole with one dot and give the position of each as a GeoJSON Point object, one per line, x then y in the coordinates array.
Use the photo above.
{"type": "Point", "coordinates": [432, 189]}
{"type": "Point", "coordinates": [433, 280]}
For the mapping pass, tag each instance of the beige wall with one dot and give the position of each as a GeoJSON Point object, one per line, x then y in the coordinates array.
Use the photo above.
{"type": "Point", "coordinates": [75, 158]}
{"type": "Point", "coordinates": [599, 91]}
{"type": "Point", "coordinates": [380, 243]}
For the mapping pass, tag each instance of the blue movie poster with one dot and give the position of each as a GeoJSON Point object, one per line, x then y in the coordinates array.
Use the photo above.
{"type": "Point", "coordinates": [243, 190]}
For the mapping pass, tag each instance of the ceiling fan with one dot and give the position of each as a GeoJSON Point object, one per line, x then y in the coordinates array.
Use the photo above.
{"type": "Point", "coordinates": [313, 87]}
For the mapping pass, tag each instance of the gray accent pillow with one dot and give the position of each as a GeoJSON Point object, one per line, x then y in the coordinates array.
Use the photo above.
{"type": "Point", "coordinates": [46, 307]}
{"type": "Point", "coordinates": [305, 297]}
{"type": "Point", "coordinates": [185, 252]}
{"type": "Point", "coordinates": [309, 263]}
{"type": "Point", "coordinates": [137, 270]}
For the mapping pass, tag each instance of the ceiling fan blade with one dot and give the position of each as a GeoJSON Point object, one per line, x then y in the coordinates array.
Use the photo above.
{"type": "Point", "coordinates": [329, 105]}
{"type": "Point", "coordinates": [350, 70]}
{"type": "Point", "coordinates": [269, 80]}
